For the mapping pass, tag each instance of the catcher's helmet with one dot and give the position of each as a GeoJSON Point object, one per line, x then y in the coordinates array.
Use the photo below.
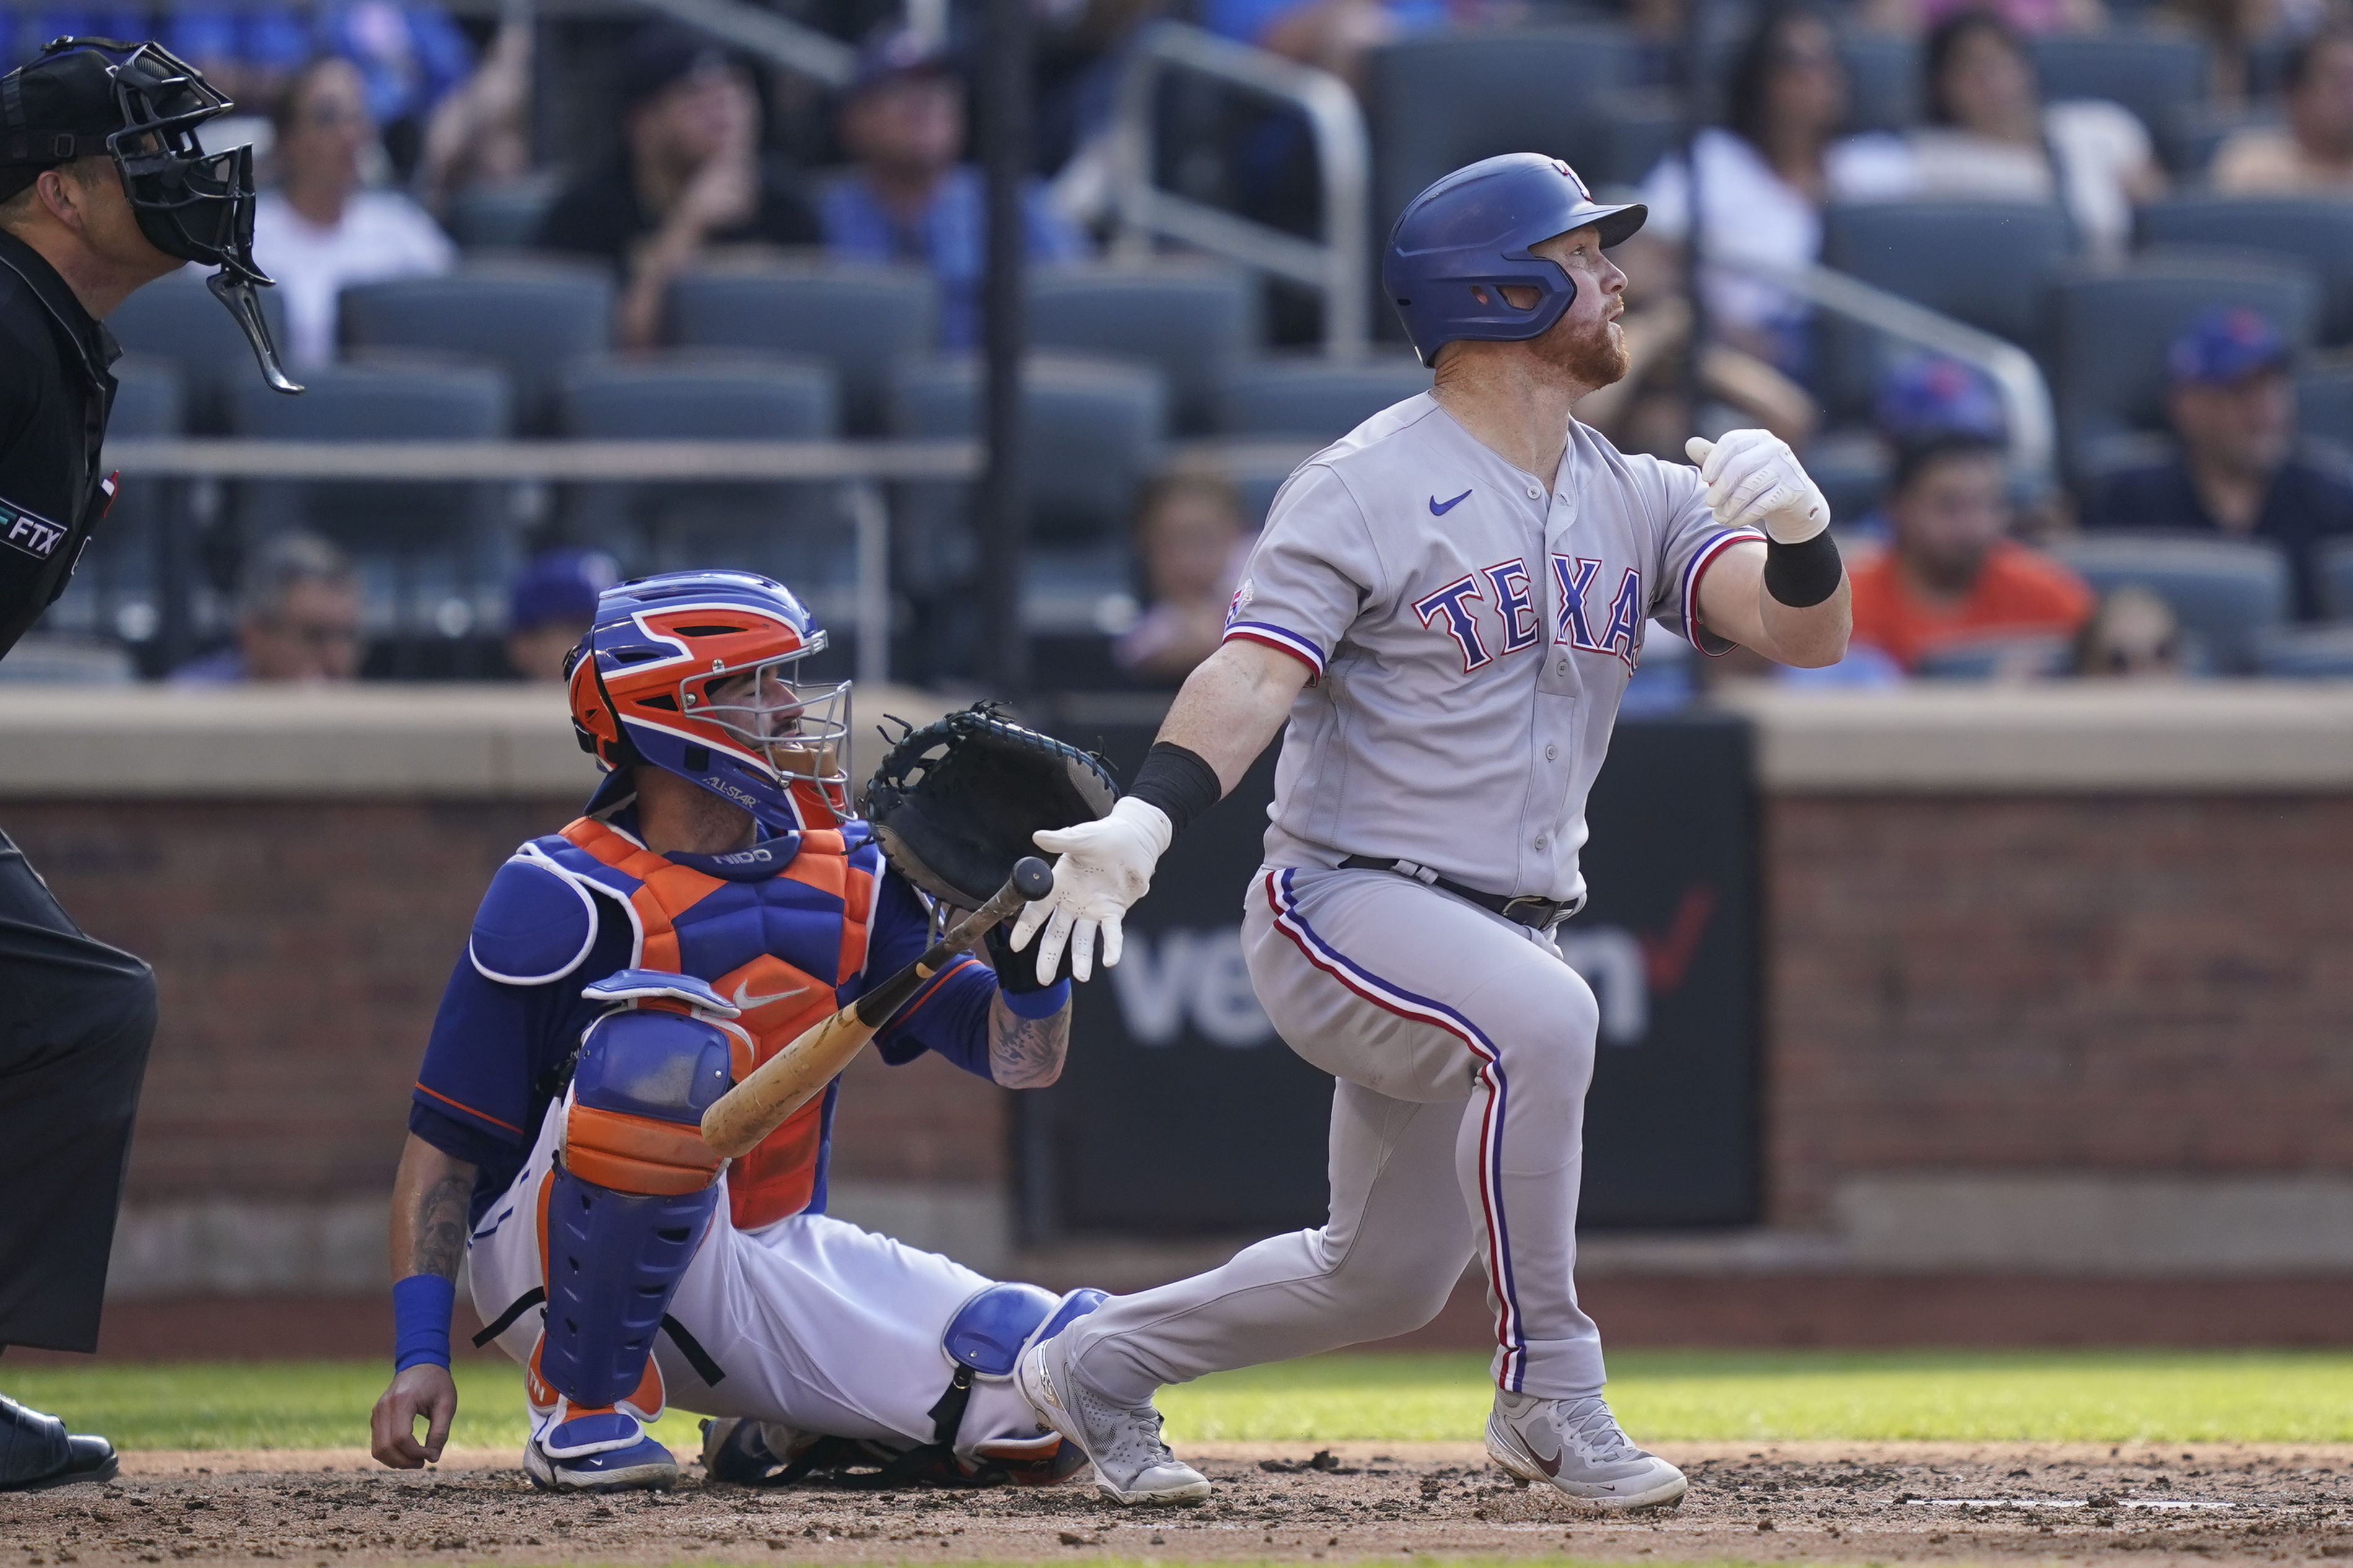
{"type": "Point", "coordinates": [1461, 242]}
{"type": "Point", "coordinates": [141, 105]}
{"type": "Point", "coordinates": [690, 671]}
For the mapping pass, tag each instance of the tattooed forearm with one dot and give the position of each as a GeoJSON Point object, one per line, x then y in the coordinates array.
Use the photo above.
{"type": "Point", "coordinates": [1026, 1053]}
{"type": "Point", "coordinates": [440, 1226]}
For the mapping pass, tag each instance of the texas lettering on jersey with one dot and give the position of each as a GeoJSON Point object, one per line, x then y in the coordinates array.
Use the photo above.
{"type": "Point", "coordinates": [1579, 582]}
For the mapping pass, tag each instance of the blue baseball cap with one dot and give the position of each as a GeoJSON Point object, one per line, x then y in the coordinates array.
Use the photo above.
{"type": "Point", "coordinates": [559, 585]}
{"type": "Point", "coordinates": [894, 52]}
{"type": "Point", "coordinates": [1927, 395]}
{"type": "Point", "coordinates": [2226, 344]}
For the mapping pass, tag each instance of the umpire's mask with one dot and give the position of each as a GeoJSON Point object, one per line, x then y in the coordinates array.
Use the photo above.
{"type": "Point", "coordinates": [141, 104]}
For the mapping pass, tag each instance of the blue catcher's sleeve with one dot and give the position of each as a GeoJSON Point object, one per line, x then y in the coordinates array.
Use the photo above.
{"type": "Point", "coordinates": [950, 1015]}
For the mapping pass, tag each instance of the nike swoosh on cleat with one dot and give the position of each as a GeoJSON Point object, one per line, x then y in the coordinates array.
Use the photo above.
{"type": "Point", "coordinates": [1549, 1467]}
{"type": "Point", "coordinates": [748, 1003]}
{"type": "Point", "coordinates": [1441, 508]}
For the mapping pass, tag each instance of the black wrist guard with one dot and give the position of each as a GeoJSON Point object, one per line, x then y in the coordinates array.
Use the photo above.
{"type": "Point", "coordinates": [1180, 782]}
{"type": "Point", "coordinates": [1017, 972]}
{"type": "Point", "coordinates": [1802, 575]}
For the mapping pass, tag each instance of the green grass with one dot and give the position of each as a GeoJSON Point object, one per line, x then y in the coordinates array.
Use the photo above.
{"type": "Point", "coordinates": [2110, 1396]}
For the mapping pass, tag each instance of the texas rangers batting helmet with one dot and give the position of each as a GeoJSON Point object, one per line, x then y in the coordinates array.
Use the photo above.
{"type": "Point", "coordinates": [691, 671]}
{"type": "Point", "coordinates": [1460, 243]}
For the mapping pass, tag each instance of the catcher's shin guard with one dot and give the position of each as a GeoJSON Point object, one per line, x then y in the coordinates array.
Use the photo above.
{"type": "Point", "coordinates": [631, 1196]}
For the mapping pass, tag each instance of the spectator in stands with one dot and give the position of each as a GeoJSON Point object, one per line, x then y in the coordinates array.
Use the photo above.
{"type": "Point", "coordinates": [481, 135]}
{"type": "Point", "coordinates": [2313, 153]}
{"type": "Point", "coordinates": [248, 51]}
{"type": "Point", "coordinates": [1191, 541]}
{"type": "Point", "coordinates": [320, 231]}
{"type": "Point", "coordinates": [1990, 137]}
{"type": "Point", "coordinates": [907, 196]}
{"type": "Point", "coordinates": [1953, 578]}
{"type": "Point", "coordinates": [298, 619]}
{"type": "Point", "coordinates": [688, 177]}
{"type": "Point", "coordinates": [2235, 32]}
{"type": "Point", "coordinates": [1924, 397]}
{"type": "Point", "coordinates": [2133, 636]}
{"type": "Point", "coordinates": [410, 57]}
{"type": "Point", "coordinates": [550, 605]}
{"type": "Point", "coordinates": [1764, 178]}
{"type": "Point", "coordinates": [2231, 404]}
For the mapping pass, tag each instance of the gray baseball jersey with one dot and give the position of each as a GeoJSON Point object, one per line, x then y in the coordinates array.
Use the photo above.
{"type": "Point", "coordinates": [1470, 633]}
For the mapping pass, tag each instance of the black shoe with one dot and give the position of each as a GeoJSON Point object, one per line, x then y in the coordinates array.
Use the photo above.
{"type": "Point", "coordinates": [36, 1453]}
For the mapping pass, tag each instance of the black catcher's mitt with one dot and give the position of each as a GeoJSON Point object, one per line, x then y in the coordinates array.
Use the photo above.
{"type": "Point", "coordinates": [955, 802]}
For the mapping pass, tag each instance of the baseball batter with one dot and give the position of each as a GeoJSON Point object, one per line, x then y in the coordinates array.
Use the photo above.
{"type": "Point", "coordinates": [1446, 606]}
{"type": "Point", "coordinates": [717, 898]}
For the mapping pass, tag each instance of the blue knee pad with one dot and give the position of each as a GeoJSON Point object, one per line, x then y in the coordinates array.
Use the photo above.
{"type": "Point", "coordinates": [992, 1329]}
{"type": "Point", "coordinates": [631, 1196]}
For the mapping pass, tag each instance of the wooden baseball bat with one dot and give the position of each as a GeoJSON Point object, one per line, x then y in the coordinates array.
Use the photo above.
{"type": "Point", "coordinates": [748, 1112]}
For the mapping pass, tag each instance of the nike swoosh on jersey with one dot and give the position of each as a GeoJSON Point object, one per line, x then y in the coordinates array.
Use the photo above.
{"type": "Point", "coordinates": [1441, 508]}
{"type": "Point", "coordinates": [749, 1003]}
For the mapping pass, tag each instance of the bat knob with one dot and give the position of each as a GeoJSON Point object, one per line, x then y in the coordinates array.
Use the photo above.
{"type": "Point", "coordinates": [1032, 878]}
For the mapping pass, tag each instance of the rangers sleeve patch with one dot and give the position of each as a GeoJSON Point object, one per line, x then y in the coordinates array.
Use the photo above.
{"type": "Point", "coordinates": [35, 535]}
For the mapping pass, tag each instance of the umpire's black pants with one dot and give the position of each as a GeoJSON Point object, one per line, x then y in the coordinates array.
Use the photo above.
{"type": "Point", "coordinates": [76, 1017]}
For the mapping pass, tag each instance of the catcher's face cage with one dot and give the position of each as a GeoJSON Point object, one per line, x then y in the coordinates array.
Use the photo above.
{"type": "Point", "coordinates": [800, 728]}
{"type": "Point", "coordinates": [195, 205]}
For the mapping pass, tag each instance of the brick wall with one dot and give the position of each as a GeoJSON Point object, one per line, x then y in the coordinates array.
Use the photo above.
{"type": "Point", "coordinates": [2114, 983]}
{"type": "Point", "coordinates": [300, 947]}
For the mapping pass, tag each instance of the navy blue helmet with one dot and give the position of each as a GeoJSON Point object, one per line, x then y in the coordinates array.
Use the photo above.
{"type": "Point", "coordinates": [1463, 240]}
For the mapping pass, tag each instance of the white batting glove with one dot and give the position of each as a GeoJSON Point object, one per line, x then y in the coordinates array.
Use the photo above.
{"type": "Point", "coordinates": [1105, 866]}
{"type": "Point", "coordinates": [1753, 480]}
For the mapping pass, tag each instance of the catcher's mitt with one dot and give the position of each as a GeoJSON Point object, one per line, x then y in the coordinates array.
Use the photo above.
{"type": "Point", "coordinates": [955, 802]}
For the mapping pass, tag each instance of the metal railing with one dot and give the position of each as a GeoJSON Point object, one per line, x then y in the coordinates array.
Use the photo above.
{"type": "Point", "coordinates": [2033, 438]}
{"type": "Point", "coordinates": [1339, 266]}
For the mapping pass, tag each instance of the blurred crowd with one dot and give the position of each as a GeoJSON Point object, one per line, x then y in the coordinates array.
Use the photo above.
{"type": "Point", "coordinates": [389, 129]}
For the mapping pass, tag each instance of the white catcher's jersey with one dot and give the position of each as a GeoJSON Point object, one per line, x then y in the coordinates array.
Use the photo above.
{"type": "Point", "coordinates": [1471, 632]}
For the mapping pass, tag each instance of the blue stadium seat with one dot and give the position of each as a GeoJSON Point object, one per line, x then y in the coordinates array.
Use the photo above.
{"type": "Point", "coordinates": [2148, 71]}
{"type": "Point", "coordinates": [1319, 399]}
{"type": "Point", "coordinates": [113, 592]}
{"type": "Point", "coordinates": [529, 318]}
{"type": "Point", "coordinates": [433, 556]}
{"type": "Point", "coordinates": [2335, 565]}
{"type": "Point", "coordinates": [2109, 332]}
{"type": "Point", "coordinates": [2316, 233]}
{"type": "Point", "coordinates": [176, 319]}
{"type": "Point", "coordinates": [500, 217]}
{"type": "Point", "coordinates": [862, 320]}
{"type": "Point", "coordinates": [1883, 81]}
{"type": "Point", "coordinates": [1194, 322]}
{"type": "Point", "coordinates": [2324, 401]}
{"type": "Point", "coordinates": [1451, 98]}
{"type": "Point", "coordinates": [2226, 592]}
{"type": "Point", "coordinates": [2305, 653]}
{"type": "Point", "coordinates": [1634, 129]}
{"type": "Point", "coordinates": [792, 533]}
{"type": "Point", "coordinates": [2007, 658]}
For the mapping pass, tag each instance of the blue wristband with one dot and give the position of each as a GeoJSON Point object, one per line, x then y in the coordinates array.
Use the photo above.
{"type": "Point", "coordinates": [1042, 1004]}
{"type": "Point", "coordinates": [421, 1305]}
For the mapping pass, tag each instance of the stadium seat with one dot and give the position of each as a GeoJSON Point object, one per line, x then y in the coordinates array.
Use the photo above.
{"type": "Point", "coordinates": [432, 555]}
{"type": "Point", "coordinates": [2335, 561]}
{"type": "Point", "coordinates": [1194, 322]}
{"type": "Point", "coordinates": [1451, 98]}
{"type": "Point", "coordinates": [1634, 129]}
{"type": "Point", "coordinates": [1094, 429]}
{"type": "Point", "coordinates": [1883, 81]}
{"type": "Point", "coordinates": [2227, 592]}
{"type": "Point", "coordinates": [2149, 73]}
{"type": "Point", "coordinates": [2109, 332]}
{"type": "Point", "coordinates": [176, 319]}
{"type": "Point", "coordinates": [2314, 232]}
{"type": "Point", "coordinates": [1320, 399]}
{"type": "Point", "coordinates": [500, 217]}
{"type": "Point", "coordinates": [2324, 401]}
{"type": "Point", "coordinates": [860, 319]}
{"type": "Point", "coordinates": [1996, 657]}
{"type": "Point", "coordinates": [792, 533]}
{"type": "Point", "coordinates": [114, 591]}
{"type": "Point", "coordinates": [530, 318]}
{"type": "Point", "coordinates": [1985, 263]}
{"type": "Point", "coordinates": [2305, 653]}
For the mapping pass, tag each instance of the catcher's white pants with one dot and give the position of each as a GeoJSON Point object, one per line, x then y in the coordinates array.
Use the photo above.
{"type": "Point", "coordinates": [814, 1323]}
{"type": "Point", "coordinates": [1463, 1045]}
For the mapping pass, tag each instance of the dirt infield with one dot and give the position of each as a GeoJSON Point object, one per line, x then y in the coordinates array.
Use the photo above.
{"type": "Point", "coordinates": [1865, 1503]}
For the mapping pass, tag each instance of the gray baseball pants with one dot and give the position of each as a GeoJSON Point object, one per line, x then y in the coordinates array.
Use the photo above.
{"type": "Point", "coordinates": [1462, 1046]}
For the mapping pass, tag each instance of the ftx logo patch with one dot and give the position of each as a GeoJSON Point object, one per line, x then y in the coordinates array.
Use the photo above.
{"type": "Point", "coordinates": [35, 536]}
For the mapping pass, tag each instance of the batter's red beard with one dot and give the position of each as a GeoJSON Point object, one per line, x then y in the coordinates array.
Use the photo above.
{"type": "Point", "coordinates": [1587, 355]}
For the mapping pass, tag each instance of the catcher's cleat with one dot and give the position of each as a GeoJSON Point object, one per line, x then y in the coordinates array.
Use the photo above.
{"type": "Point", "coordinates": [750, 1453]}
{"type": "Point", "coordinates": [1574, 1445]}
{"type": "Point", "coordinates": [601, 1451]}
{"type": "Point", "coordinates": [37, 1453]}
{"type": "Point", "coordinates": [1131, 1464]}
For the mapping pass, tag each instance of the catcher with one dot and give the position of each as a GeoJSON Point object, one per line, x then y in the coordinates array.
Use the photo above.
{"type": "Point", "coordinates": [717, 896]}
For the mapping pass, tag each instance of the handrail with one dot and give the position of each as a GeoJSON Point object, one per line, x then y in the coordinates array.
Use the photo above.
{"type": "Point", "coordinates": [2017, 379]}
{"type": "Point", "coordinates": [1339, 267]}
{"type": "Point", "coordinates": [720, 461]}
{"type": "Point", "coordinates": [765, 34]}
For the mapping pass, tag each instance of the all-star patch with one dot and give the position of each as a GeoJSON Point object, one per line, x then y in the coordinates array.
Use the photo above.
{"type": "Point", "coordinates": [35, 535]}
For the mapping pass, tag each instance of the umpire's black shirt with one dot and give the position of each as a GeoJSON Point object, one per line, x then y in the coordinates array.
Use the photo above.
{"type": "Point", "coordinates": [55, 394]}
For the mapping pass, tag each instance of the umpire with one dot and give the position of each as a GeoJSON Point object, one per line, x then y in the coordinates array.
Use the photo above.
{"type": "Point", "coordinates": [103, 187]}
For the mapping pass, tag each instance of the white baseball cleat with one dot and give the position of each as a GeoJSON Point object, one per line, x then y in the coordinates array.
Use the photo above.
{"type": "Point", "coordinates": [1131, 1464]}
{"type": "Point", "coordinates": [1575, 1446]}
